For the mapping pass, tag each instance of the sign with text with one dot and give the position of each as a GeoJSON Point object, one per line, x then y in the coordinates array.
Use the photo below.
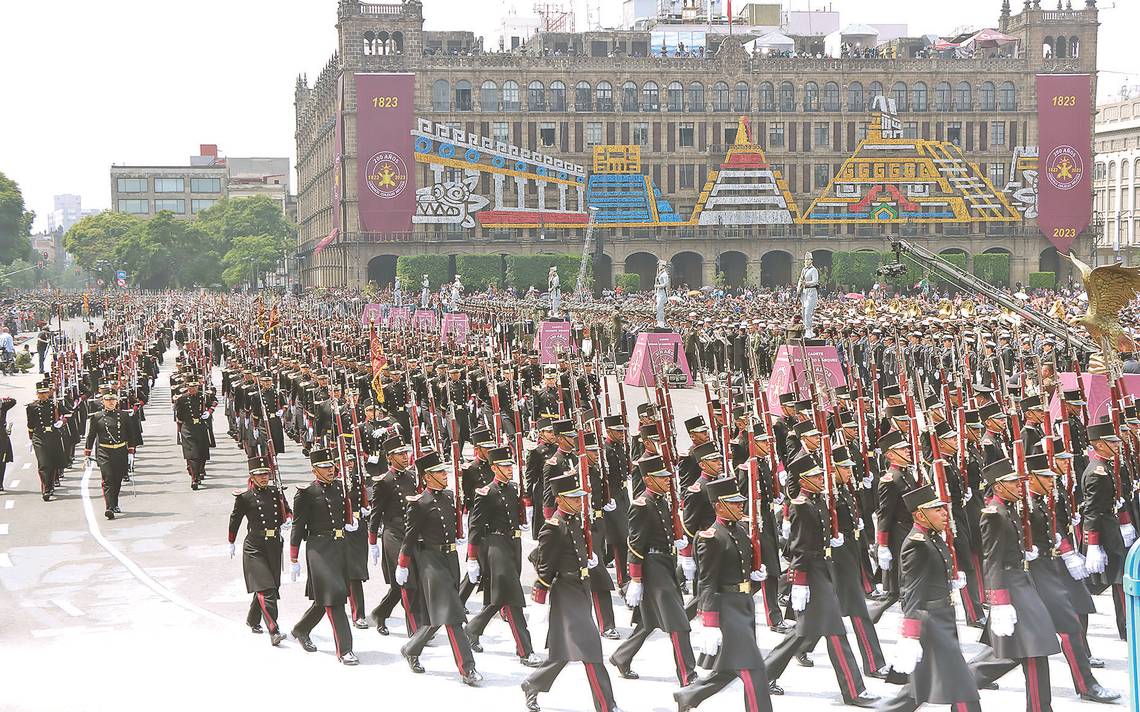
{"type": "Point", "coordinates": [397, 317]}
{"type": "Point", "coordinates": [554, 337]}
{"type": "Point", "coordinates": [385, 166]}
{"type": "Point", "coordinates": [1097, 393]}
{"type": "Point", "coordinates": [793, 361]}
{"type": "Point", "coordinates": [372, 313]}
{"type": "Point", "coordinates": [456, 326]}
{"type": "Point", "coordinates": [425, 320]}
{"type": "Point", "coordinates": [1065, 166]}
{"type": "Point", "coordinates": [653, 353]}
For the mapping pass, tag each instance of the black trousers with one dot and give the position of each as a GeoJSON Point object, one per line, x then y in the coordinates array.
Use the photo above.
{"type": "Point", "coordinates": [1075, 650]}
{"type": "Point", "coordinates": [263, 607]}
{"type": "Point", "coordinates": [683, 660]}
{"type": "Point", "coordinates": [396, 594]}
{"type": "Point", "coordinates": [356, 599]}
{"type": "Point", "coordinates": [905, 701]}
{"type": "Point", "coordinates": [460, 647]}
{"type": "Point", "coordinates": [603, 610]}
{"type": "Point", "coordinates": [3, 467]}
{"type": "Point", "coordinates": [988, 667]}
{"type": "Point", "coordinates": [756, 695]}
{"type": "Point", "coordinates": [838, 649]}
{"type": "Point", "coordinates": [342, 631]}
{"type": "Point", "coordinates": [466, 588]}
{"type": "Point", "coordinates": [596, 674]}
{"type": "Point", "coordinates": [112, 484]}
{"type": "Point", "coordinates": [869, 648]}
{"type": "Point", "coordinates": [196, 468]}
{"type": "Point", "coordinates": [515, 619]}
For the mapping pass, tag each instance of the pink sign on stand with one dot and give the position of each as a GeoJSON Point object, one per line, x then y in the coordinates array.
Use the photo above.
{"type": "Point", "coordinates": [397, 317]}
{"type": "Point", "coordinates": [825, 362]}
{"type": "Point", "coordinates": [653, 352]}
{"type": "Point", "coordinates": [372, 313]}
{"type": "Point", "coordinates": [424, 320]}
{"type": "Point", "coordinates": [1097, 393]}
{"type": "Point", "coordinates": [554, 337]}
{"type": "Point", "coordinates": [456, 325]}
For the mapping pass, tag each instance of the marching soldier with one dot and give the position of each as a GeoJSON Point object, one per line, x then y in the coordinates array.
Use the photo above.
{"type": "Point", "coordinates": [45, 423]}
{"type": "Point", "coordinates": [192, 414]}
{"type": "Point", "coordinates": [112, 431]}
{"type": "Point", "coordinates": [390, 495]}
{"type": "Point", "coordinates": [1107, 525]}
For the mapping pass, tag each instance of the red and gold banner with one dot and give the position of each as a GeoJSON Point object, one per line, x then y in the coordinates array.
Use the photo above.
{"type": "Point", "coordinates": [385, 117]}
{"type": "Point", "coordinates": [1064, 183]}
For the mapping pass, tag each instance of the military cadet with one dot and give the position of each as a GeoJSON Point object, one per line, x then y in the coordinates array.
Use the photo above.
{"type": "Point", "coordinates": [389, 504]}
{"type": "Point", "coordinates": [601, 583]}
{"type": "Point", "coordinates": [1107, 524]}
{"type": "Point", "coordinates": [356, 540]}
{"type": "Point", "coordinates": [45, 424]}
{"type": "Point", "coordinates": [617, 470]}
{"type": "Point", "coordinates": [562, 569]}
{"type": "Point", "coordinates": [112, 431]}
{"type": "Point", "coordinates": [688, 469]}
{"type": "Point", "coordinates": [6, 404]}
{"type": "Point", "coordinates": [430, 546]}
{"type": "Point", "coordinates": [727, 608]}
{"type": "Point", "coordinates": [535, 467]}
{"type": "Point", "coordinates": [320, 519]}
{"type": "Point", "coordinates": [494, 557]}
{"type": "Point", "coordinates": [770, 494]}
{"type": "Point", "coordinates": [653, 590]}
{"type": "Point", "coordinates": [267, 516]}
{"type": "Point", "coordinates": [192, 412]}
{"type": "Point", "coordinates": [892, 521]}
{"type": "Point", "coordinates": [928, 649]}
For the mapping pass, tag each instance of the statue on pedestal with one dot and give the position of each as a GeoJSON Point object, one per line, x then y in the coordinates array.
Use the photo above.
{"type": "Point", "coordinates": [554, 290]}
{"type": "Point", "coordinates": [661, 291]}
{"type": "Point", "coordinates": [808, 290]}
{"type": "Point", "coordinates": [425, 293]}
{"type": "Point", "coordinates": [397, 294]}
{"type": "Point", "coordinates": [456, 293]}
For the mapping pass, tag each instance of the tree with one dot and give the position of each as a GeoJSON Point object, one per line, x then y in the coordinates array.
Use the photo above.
{"type": "Point", "coordinates": [15, 222]}
{"type": "Point", "coordinates": [96, 239]}
{"type": "Point", "coordinates": [258, 216]}
{"type": "Point", "coordinates": [17, 275]}
{"type": "Point", "coordinates": [249, 257]}
{"type": "Point", "coordinates": [166, 251]}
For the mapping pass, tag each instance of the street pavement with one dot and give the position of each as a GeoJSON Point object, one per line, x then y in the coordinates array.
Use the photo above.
{"type": "Point", "coordinates": [148, 611]}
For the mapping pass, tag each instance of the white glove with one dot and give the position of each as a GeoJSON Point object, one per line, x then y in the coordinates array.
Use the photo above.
{"type": "Point", "coordinates": [256, 433]}
{"type": "Point", "coordinates": [760, 574]}
{"type": "Point", "coordinates": [365, 511]}
{"type": "Point", "coordinates": [294, 571]}
{"type": "Point", "coordinates": [711, 640]}
{"type": "Point", "coordinates": [1076, 518]}
{"type": "Point", "coordinates": [1075, 563]}
{"type": "Point", "coordinates": [374, 553]}
{"type": "Point", "coordinates": [777, 501]}
{"type": "Point", "coordinates": [959, 581]}
{"type": "Point", "coordinates": [885, 557]}
{"type": "Point", "coordinates": [867, 482]}
{"type": "Point", "coordinates": [633, 594]}
{"type": "Point", "coordinates": [287, 525]}
{"type": "Point", "coordinates": [905, 655]}
{"type": "Point", "coordinates": [401, 575]}
{"type": "Point", "coordinates": [1003, 618]}
{"type": "Point", "coordinates": [858, 524]}
{"type": "Point", "coordinates": [609, 506]}
{"type": "Point", "coordinates": [1095, 559]}
{"type": "Point", "coordinates": [1032, 554]}
{"type": "Point", "coordinates": [801, 594]}
{"type": "Point", "coordinates": [130, 459]}
{"type": "Point", "coordinates": [58, 423]}
{"type": "Point", "coordinates": [352, 526]}
{"type": "Point", "coordinates": [681, 543]}
{"type": "Point", "coordinates": [473, 570]}
{"type": "Point", "coordinates": [969, 495]}
{"type": "Point", "coordinates": [30, 446]}
{"type": "Point", "coordinates": [1129, 533]}
{"type": "Point", "coordinates": [688, 567]}
{"type": "Point", "coordinates": [785, 529]}
{"type": "Point", "coordinates": [461, 544]}
{"type": "Point", "coordinates": [377, 433]}
{"type": "Point", "coordinates": [836, 541]}
{"type": "Point", "coordinates": [205, 414]}
{"type": "Point", "coordinates": [1056, 540]}
{"type": "Point", "coordinates": [233, 548]}
{"type": "Point", "coordinates": [592, 561]}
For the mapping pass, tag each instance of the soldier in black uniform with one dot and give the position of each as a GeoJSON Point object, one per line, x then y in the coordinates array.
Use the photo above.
{"type": "Point", "coordinates": [267, 517]}
{"type": "Point", "coordinates": [430, 546]}
{"type": "Point", "coordinates": [112, 430]}
{"type": "Point", "coordinates": [320, 519]}
{"type": "Point", "coordinates": [390, 493]}
{"type": "Point", "coordinates": [45, 424]}
{"type": "Point", "coordinates": [192, 414]}
{"type": "Point", "coordinates": [616, 517]}
{"type": "Point", "coordinates": [562, 569]}
{"type": "Point", "coordinates": [356, 540]}
{"type": "Point", "coordinates": [1106, 523]}
{"type": "Point", "coordinates": [928, 649]}
{"type": "Point", "coordinates": [892, 521]}
{"type": "Point", "coordinates": [727, 608]}
{"type": "Point", "coordinates": [458, 395]}
{"type": "Point", "coordinates": [494, 557]}
{"type": "Point", "coordinates": [535, 465]}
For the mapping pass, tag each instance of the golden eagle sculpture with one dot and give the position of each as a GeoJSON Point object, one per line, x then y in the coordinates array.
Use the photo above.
{"type": "Point", "coordinates": [1110, 288]}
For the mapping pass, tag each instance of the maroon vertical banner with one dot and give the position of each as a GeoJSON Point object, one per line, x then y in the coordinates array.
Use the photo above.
{"type": "Point", "coordinates": [338, 157]}
{"type": "Point", "coordinates": [385, 165]}
{"type": "Point", "coordinates": [1064, 183]}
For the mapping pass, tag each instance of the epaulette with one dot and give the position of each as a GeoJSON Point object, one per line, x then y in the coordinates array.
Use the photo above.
{"type": "Point", "coordinates": [917, 536]}
{"type": "Point", "coordinates": [887, 478]}
{"type": "Point", "coordinates": [799, 500]}
{"type": "Point", "coordinates": [639, 502]}
{"type": "Point", "coordinates": [238, 493]}
{"type": "Point", "coordinates": [989, 510]}
{"type": "Point", "coordinates": [483, 490]}
{"type": "Point", "coordinates": [554, 520]}
{"type": "Point", "coordinates": [695, 487]}
{"type": "Point", "coordinates": [552, 461]}
{"type": "Point", "coordinates": [414, 497]}
{"type": "Point", "coordinates": [707, 533]}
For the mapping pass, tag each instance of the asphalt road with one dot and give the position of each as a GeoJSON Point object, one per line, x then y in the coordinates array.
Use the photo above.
{"type": "Point", "coordinates": [148, 611]}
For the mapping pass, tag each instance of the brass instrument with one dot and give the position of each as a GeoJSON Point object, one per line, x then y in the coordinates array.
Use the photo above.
{"type": "Point", "coordinates": [1057, 310]}
{"type": "Point", "coordinates": [870, 308]}
{"type": "Point", "coordinates": [895, 306]}
{"type": "Point", "coordinates": [946, 309]}
{"type": "Point", "coordinates": [968, 309]}
{"type": "Point", "coordinates": [913, 311]}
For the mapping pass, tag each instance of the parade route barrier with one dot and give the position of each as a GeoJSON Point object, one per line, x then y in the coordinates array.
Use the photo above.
{"type": "Point", "coordinates": [424, 320]}
{"type": "Point", "coordinates": [397, 318]}
{"type": "Point", "coordinates": [654, 352]}
{"type": "Point", "coordinates": [1097, 393]}
{"type": "Point", "coordinates": [554, 337]}
{"type": "Point", "coordinates": [1132, 601]}
{"type": "Point", "coordinates": [456, 325]}
{"type": "Point", "coordinates": [790, 359]}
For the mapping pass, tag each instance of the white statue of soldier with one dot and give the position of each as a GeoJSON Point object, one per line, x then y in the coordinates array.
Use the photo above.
{"type": "Point", "coordinates": [425, 292]}
{"type": "Point", "coordinates": [808, 289]}
{"type": "Point", "coordinates": [554, 290]}
{"type": "Point", "coordinates": [456, 293]}
{"type": "Point", "coordinates": [661, 291]}
{"type": "Point", "coordinates": [397, 294]}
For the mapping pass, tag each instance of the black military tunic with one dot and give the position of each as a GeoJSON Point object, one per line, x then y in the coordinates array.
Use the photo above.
{"type": "Point", "coordinates": [319, 520]}
{"type": "Point", "coordinates": [47, 441]}
{"type": "Point", "coordinates": [113, 431]}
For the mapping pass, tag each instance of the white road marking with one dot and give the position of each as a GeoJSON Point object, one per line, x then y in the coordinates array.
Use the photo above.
{"type": "Point", "coordinates": [27, 465]}
{"type": "Point", "coordinates": [3, 528]}
{"type": "Point", "coordinates": [9, 503]}
{"type": "Point", "coordinates": [67, 608]}
{"type": "Point", "coordinates": [14, 484]}
{"type": "Point", "coordinates": [5, 561]}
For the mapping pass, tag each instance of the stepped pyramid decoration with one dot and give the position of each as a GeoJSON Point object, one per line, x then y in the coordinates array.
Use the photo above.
{"type": "Point", "coordinates": [623, 195]}
{"type": "Point", "coordinates": [891, 179]}
{"type": "Point", "coordinates": [745, 191]}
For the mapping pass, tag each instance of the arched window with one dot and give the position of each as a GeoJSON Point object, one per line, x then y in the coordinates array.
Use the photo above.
{"type": "Point", "coordinates": [942, 96]}
{"type": "Point", "coordinates": [382, 43]}
{"type": "Point", "coordinates": [1074, 47]}
{"type": "Point", "coordinates": [766, 99]}
{"type": "Point", "coordinates": [397, 43]}
{"type": "Point", "coordinates": [629, 97]}
{"type": "Point", "coordinates": [918, 99]}
{"type": "Point", "coordinates": [855, 96]}
{"type": "Point", "coordinates": [536, 96]}
{"type": "Point", "coordinates": [674, 97]}
{"type": "Point", "coordinates": [441, 95]}
{"type": "Point", "coordinates": [464, 101]}
{"type": "Point", "coordinates": [831, 97]}
{"type": "Point", "coordinates": [557, 95]}
{"type": "Point", "coordinates": [742, 97]}
{"type": "Point", "coordinates": [604, 96]}
{"type": "Point", "coordinates": [721, 99]}
{"type": "Point", "coordinates": [583, 96]}
{"type": "Point", "coordinates": [1061, 49]}
{"type": "Point", "coordinates": [899, 94]}
{"type": "Point", "coordinates": [650, 97]}
{"type": "Point", "coordinates": [1047, 48]}
{"type": "Point", "coordinates": [696, 97]}
{"type": "Point", "coordinates": [811, 96]}
{"type": "Point", "coordinates": [963, 97]}
{"type": "Point", "coordinates": [989, 97]}
{"type": "Point", "coordinates": [369, 42]}
{"type": "Point", "coordinates": [787, 97]}
{"type": "Point", "coordinates": [876, 89]}
{"type": "Point", "coordinates": [511, 99]}
{"type": "Point", "coordinates": [489, 97]}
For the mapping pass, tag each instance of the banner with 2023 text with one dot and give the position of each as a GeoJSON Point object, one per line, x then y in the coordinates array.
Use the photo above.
{"type": "Point", "coordinates": [1064, 181]}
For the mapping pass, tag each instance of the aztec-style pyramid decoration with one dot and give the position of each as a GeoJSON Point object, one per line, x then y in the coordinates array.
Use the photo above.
{"type": "Point", "coordinates": [745, 191]}
{"type": "Point", "coordinates": [891, 179]}
{"type": "Point", "coordinates": [623, 195]}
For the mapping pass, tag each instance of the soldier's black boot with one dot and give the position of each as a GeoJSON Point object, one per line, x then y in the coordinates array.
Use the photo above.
{"type": "Point", "coordinates": [305, 641]}
{"type": "Point", "coordinates": [413, 661]}
{"type": "Point", "coordinates": [531, 698]}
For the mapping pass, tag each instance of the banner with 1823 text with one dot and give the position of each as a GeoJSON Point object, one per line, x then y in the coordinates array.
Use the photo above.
{"type": "Point", "coordinates": [1064, 164]}
{"type": "Point", "coordinates": [385, 167]}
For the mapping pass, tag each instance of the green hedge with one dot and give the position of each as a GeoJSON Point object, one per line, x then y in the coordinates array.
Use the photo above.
{"type": "Point", "coordinates": [526, 271]}
{"type": "Point", "coordinates": [992, 268]}
{"type": "Point", "coordinates": [410, 269]}
{"type": "Point", "coordinates": [1042, 280]}
{"type": "Point", "coordinates": [629, 282]}
{"type": "Point", "coordinates": [855, 270]}
{"type": "Point", "coordinates": [478, 271]}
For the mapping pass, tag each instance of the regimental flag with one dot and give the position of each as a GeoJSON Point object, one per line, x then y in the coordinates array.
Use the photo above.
{"type": "Point", "coordinates": [274, 322]}
{"type": "Point", "coordinates": [86, 305]}
{"type": "Point", "coordinates": [376, 351]}
{"type": "Point", "coordinates": [325, 242]}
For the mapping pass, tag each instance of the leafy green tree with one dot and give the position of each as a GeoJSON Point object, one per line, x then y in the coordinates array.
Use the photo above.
{"type": "Point", "coordinates": [232, 218]}
{"type": "Point", "coordinates": [525, 271]}
{"type": "Point", "coordinates": [166, 251]}
{"type": "Point", "coordinates": [477, 271]}
{"type": "Point", "coordinates": [18, 274]}
{"type": "Point", "coordinates": [96, 239]}
{"type": "Point", "coordinates": [15, 222]}
{"type": "Point", "coordinates": [411, 268]}
{"type": "Point", "coordinates": [250, 257]}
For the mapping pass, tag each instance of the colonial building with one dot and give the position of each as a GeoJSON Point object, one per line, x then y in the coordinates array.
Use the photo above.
{"type": "Point", "coordinates": [1116, 181]}
{"type": "Point", "coordinates": [728, 158]}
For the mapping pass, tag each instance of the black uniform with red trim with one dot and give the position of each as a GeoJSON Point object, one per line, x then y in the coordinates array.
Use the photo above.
{"type": "Point", "coordinates": [264, 510]}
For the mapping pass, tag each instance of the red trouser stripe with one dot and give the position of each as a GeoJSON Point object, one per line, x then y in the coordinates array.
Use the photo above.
{"type": "Point", "coordinates": [843, 666]}
{"type": "Point", "coordinates": [596, 688]}
{"type": "Point", "coordinates": [749, 690]}
{"type": "Point", "coordinates": [1031, 686]}
{"type": "Point", "coordinates": [455, 649]}
{"type": "Point", "coordinates": [618, 568]}
{"type": "Point", "coordinates": [598, 611]}
{"type": "Point", "coordinates": [968, 604]}
{"type": "Point", "coordinates": [336, 638]}
{"type": "Point", "coordinates": [978, 576]}
{"type": "Point", "coordinates": [861, 634]}
{"type": "Point", "coordinates": [1070, 656]}
{"type": "Point", "coordinates": [767, 607]}
{"type": "Point", "coordinates": [352, 602]}
{"type": "Point", "coordinates": [514, 631]}
{"type": "Point", "coordinates": [408, 611]}
{"type": "Point", "coordinates": [682, 670]}
{"type": "Point", "coordinates": [265, 612]}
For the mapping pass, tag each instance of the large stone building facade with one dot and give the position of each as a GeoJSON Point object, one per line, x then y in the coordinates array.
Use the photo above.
{"type": "Point", "coordinates": [733, 162]}
{"type": "Point", "coordinates": [1116, 181]}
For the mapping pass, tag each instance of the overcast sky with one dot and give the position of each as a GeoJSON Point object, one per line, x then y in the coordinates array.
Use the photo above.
{"type": "Point", "coordinates": [88, 84]}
